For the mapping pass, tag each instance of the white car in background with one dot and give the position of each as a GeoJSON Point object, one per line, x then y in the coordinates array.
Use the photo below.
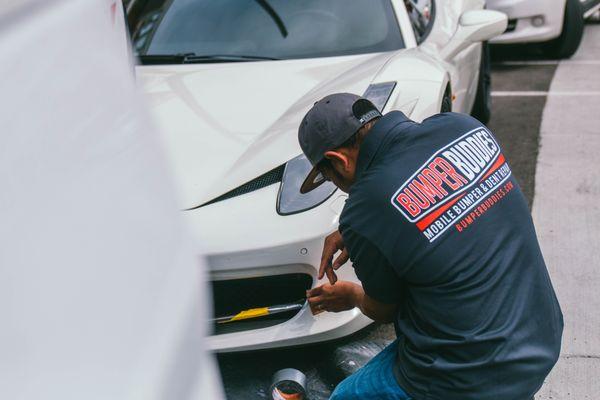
{"type": "Point", "coordinates": [556, 24]}
{"type": "Point", "coordinates": [229, 82]}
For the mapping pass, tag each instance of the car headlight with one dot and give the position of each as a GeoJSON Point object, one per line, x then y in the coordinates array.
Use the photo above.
{"type": "Point", "coordinates": [289, 199]}
{"type": "Point", "coordinates": [379, 93]}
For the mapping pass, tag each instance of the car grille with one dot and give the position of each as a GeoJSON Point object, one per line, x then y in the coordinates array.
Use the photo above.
{"type": "Point", "coordinates": [268, 178]}
{"type": "Point", "coordinates": [232, 296]}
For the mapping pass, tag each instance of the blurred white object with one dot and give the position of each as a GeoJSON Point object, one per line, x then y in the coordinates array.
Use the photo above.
{"type": "Point", "coordinates": [556, 23]}
{"type": "Point", "coordinates": [101, 296]}
{"type": "Point", "coordinates": [590, 8]}
{"type": "Point", "coordinates": [594, 15]}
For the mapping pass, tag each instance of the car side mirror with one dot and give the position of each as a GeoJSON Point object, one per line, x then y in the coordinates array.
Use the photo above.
{"type": "Point", "coordinates": [474, 26]}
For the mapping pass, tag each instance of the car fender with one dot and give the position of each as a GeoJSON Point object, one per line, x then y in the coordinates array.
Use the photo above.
{"type": "Point", "coordinates": [421, 81]}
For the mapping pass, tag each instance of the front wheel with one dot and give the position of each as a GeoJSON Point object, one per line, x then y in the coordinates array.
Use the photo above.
{"type": "Point", "coordinates": [482, 107]}
{"type": "Point", "coordinates": [446, 101]}
{"type": "Point", "coordinates": [567, 43]}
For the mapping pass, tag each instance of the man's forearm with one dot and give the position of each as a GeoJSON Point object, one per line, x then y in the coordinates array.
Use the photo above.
{"type": "Point", "coordinates": [378, 312]}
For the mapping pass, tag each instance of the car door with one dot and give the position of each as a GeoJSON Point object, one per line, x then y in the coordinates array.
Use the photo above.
{"type": "Point", "coordinates": [466, 64]}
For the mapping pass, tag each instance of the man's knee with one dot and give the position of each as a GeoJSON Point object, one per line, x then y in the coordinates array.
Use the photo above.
{"type": "Point", "coordinates": [343, 390]}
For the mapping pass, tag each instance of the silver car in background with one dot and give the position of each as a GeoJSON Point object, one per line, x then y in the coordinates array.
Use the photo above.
{"type": "Point", "coordinates": [556, 24]}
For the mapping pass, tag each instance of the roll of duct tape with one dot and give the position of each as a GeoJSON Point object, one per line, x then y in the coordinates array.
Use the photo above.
{"type": "Point", "coordinates": [288, 384]}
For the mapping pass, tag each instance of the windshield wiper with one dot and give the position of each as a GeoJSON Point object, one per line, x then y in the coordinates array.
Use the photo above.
{"type": "Point", "coordinates": [191, 58]}
{"type": "Point", "coordinates": [224, 58]}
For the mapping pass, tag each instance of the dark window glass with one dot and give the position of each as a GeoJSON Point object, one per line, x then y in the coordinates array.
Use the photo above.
{"type": "Point", "coordinates": [422, 15]}
{"type": "Point", "coordinates": [280, 29]}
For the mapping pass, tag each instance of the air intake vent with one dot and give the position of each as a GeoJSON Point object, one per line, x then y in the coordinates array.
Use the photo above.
{"type": "Point", "coordinates": [512, 25]}
{"type": "Point", "coordinates": [266, 179]}
{"type": "Point", "coordinates": [232, 296]}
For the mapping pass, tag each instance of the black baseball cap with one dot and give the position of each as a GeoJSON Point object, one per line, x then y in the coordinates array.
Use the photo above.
{"type": "Point", "coordinates": [327, 125]}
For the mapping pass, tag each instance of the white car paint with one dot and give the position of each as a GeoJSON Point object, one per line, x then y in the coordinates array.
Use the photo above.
{"type": "Point", "coordinates": [226, 124]}
{"type": "Point", "coordinates": [525, 11]}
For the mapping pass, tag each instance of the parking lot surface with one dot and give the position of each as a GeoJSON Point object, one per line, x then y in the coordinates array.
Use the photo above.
{"type": "Point", "coordinates": [546, 117]}
{"type": "Point", "coordinates": [566, 211]}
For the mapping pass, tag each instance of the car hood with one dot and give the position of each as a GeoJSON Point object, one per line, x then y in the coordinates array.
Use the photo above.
{"type": "Point", "coordinates": [225, 124]}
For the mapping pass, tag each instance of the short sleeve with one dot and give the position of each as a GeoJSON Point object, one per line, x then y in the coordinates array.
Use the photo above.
{"type": "Point", "coordinates": [379, 280]}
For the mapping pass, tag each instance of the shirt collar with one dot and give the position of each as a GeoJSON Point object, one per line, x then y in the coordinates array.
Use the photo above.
{"type": "Point", "coordinates": [375, 138]}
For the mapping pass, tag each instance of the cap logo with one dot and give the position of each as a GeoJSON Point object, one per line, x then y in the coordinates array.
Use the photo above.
{"type": "Point", "coordinates": [369, 116]}
{"type": "Point", "coordinates": [364, 110]}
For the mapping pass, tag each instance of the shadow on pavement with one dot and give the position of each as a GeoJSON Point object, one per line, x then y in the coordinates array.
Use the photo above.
{"type": "Point", "coordinates": [248, 375]}
{"type": "Point", "coordinates": [517, 52]}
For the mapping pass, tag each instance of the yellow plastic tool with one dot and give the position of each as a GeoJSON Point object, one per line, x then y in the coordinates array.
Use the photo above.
{"type": "Point", "coordinates": [260, 312]}
{"type": "Point", "coordinates": [252, 313]}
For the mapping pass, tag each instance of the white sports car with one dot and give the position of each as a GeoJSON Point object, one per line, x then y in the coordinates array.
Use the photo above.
{"type": "Point", "coordinates": [229, 82]}
{"type": "Point", "coordinates": [556, 24]}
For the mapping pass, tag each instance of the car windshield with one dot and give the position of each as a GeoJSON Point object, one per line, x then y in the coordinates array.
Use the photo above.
{"type": "Point", "coordinates": [267, 29]}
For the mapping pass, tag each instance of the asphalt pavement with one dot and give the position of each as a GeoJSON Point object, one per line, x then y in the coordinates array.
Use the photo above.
{"type": "Point", "coordinates": [556, 172]}
{"type": "Point", "coordinates": [566, 211]}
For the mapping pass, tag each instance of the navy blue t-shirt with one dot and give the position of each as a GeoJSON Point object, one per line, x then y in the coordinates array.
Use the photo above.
{"type": "Point", "coordinates": [437, 224]}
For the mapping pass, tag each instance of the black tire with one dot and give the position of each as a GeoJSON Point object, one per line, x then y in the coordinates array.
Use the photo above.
{"type": "Point", "coordinates": [567, 43]}
{"type": "Point", "coordinates": [446, 102]}
{"type": "Point", "coordinates": [482, 108]}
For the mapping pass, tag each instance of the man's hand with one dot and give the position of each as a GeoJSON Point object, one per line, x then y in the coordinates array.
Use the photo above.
{"type": "Point", "coordinates": [334, 298]}
{"type": "Point", "coordinates": [345, 296]}
{"type": "Point", "coordinates": [333, 243]}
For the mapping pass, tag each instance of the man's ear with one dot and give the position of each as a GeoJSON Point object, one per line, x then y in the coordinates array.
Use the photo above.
{"type": "Point", "coordinates": [338, 158]}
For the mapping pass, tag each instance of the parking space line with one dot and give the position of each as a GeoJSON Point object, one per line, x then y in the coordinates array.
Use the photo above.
{"type": "Point", "coordinates": [500, 93]}
{"type": "Point", "coordinates": [534, 93]}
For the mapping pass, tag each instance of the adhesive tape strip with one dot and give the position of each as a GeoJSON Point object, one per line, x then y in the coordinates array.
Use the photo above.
{"type": "Point", "coordinates": [288, 384]}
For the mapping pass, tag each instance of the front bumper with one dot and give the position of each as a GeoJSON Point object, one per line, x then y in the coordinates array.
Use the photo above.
{"type": "Point", "coordinates": [523, 13]}
{"type": "Point", "coordinates": [244, 237]}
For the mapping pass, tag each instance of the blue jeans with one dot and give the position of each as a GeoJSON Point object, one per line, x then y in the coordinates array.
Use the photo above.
{"type": "Point", "coordinates": [373, 381]}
